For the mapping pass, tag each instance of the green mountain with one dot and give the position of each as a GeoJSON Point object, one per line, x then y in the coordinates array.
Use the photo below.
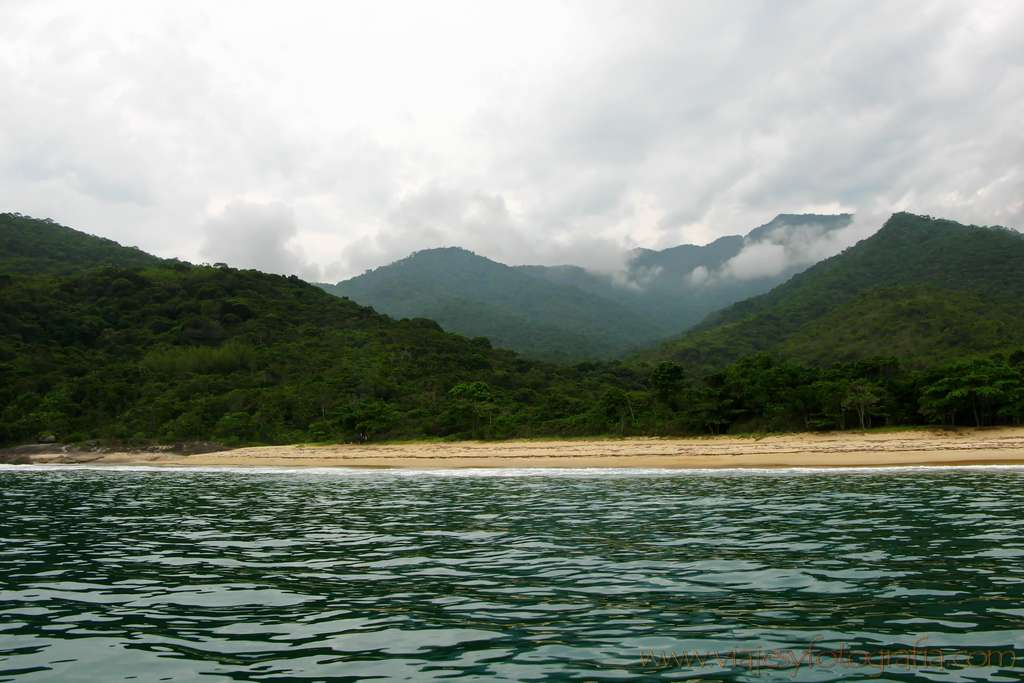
{"type": "Point", "coordinates": [679, 286]}
{"type": "Point", "coordinates": [168, 351]}
{"type": "Point", "coordinates": [567, 313]}
{"type": "Point", "coordinates": [31, 246]}
{"type": "Point", "coordinates": [957, 293]}
{"type": "Point", "coordinates": [922, 325]}
{"type": "Point", "coordinates": [475, 296]}
{"type": "Point", "coordinates": [176, 352]}
{"type": "Point", "coordinates": [186, 352]}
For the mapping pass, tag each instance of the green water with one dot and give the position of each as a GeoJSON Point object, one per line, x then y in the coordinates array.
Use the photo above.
{"type": "Point", "coordinates": [315, 575]}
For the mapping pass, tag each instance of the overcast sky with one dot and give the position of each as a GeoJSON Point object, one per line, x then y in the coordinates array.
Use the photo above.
{"type": "Point", "coordinates": [324, 138]}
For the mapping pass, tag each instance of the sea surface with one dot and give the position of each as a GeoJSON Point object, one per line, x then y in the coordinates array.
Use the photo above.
{"type": "Point", "coordinates": [136, 574]}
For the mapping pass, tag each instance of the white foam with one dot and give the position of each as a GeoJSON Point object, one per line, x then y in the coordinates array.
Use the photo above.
{"type": "Point", "coordinates": [590, 472]}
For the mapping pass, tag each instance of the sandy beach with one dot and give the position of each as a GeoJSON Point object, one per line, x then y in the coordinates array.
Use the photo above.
{"type": "Point", "coordinates": [846, 449]}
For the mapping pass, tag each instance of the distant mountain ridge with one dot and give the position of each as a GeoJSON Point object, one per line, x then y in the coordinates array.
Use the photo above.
{"type": "Point", "coordinates": [475, 296]}
{"type": "Point", "coordinates": [33, 246]}
{"type": "Point", "coordinates": [100, 341]}
{"type": "Point", "coordinates": [870, 299]}
{"type": "Point", "coordinates": [925, 290]}
{"type": "Point", "coordinates": [174, 352]}
{"type": "Point", "coordinates": [567, 312]}
{"type": "Point", "coordinates": [678, 286]}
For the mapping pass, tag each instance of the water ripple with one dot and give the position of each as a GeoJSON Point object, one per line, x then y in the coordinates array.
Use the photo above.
{"type": "Point", "coordinates": [306, 575]}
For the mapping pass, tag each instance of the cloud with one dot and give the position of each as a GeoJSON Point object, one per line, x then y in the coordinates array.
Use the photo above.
{"type": "Point", "coordinates": [789, 247]}
{"type": "Point", "coordinates": [438, 217]}
{"type": "Point", "coordinates": [757, 260]}
{"type": "Point", "coordinates": [698, 276]}
{"type": "Point", "coordinates": [258, 236]}
{"type": "Point", "coordinates": [729, 116]}
{"type": "Point", "coordinates": [535, 132]}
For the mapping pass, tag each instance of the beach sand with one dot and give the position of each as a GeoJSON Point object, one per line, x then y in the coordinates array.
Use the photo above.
{"type": "Point", "coordinates": [837, 449]}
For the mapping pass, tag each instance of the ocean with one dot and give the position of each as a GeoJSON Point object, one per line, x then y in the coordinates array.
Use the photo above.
{"type": "Point", "coordinates": [335, 575]}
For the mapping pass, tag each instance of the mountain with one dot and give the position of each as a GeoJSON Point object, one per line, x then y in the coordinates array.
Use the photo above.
{"type": "Point", "coordinates": [180, 353]}
{"type": "Point", "coordinates": [176, 352]}
{"type": "Point", "coordinates": [150, 350]}
{"type": "Point", "coordinates": [923, 325]}
{"type": "Point", "coordinates": [677, 287]}
{"type": "Point", "coordinates": [475, 296]}
{"type": "Point", "coordinates": [32, 246]}
{"type": "Point", "coordinates": [960, 284]}
{"type": "Point", "coordinates": [568, 313]}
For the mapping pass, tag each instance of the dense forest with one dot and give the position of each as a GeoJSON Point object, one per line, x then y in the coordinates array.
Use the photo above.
{"type": "Point", "coordinates": [29, 246]}
{"type": "Point", "coordinates": [475, 296]}
{"type": "Point", "coordinates": [166, 351]}
{"type": "Point", "coordinates": [193, 352]}
{"type": "Point", "coordinates": [925, 290]}
{"type": "Point", "coordinates": [567, 313]}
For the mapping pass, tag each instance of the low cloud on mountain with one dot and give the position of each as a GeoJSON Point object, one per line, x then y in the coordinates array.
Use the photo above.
{"type": "Point", "coordinates": [788, 247]}
{"type": "Point", "coordinates": [530, 132]}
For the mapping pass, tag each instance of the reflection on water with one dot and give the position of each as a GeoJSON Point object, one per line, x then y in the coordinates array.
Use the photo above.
{"type": "Point", "coordinates": [339, 575]}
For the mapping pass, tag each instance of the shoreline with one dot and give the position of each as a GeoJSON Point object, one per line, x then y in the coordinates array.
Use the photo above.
{"type": "Point", "coordinates": [987, 446]}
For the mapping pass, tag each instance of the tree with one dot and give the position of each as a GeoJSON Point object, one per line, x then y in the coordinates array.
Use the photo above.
{"type": "Point", "coordinates": [973, 385]}
{"type": "Point", "coordinates": [706, 408]}
{"type": "Point", "coordinates": [667, 380]}
{"type": "Point", "coordinates": [474, 398]}
{"type": "Point", "coordinates": [861, 395]}
{"type": "Point", "coordinates": [831, 394]}
{"type": "Point", "coordinates": [615, 405]}
{"type": "Point", "coordinates": [1013, 403]}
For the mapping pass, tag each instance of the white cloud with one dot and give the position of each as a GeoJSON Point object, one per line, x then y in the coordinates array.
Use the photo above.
{"type": "Point", "coordinates": [757, 260]}
{"type": "Point", "coordinates": [528, 132]}
{"type": "Point", "coordinates": [790, 247]}
{"type": "Point", "coordinates": [438, 217]}
{"type": "Point", "coordinates": [259, 236]}
{"type": "Point", "coordinates": [698, 276]}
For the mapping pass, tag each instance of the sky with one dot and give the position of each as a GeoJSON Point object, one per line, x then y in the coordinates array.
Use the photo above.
{"type": "Point", "coordinates": [326, 138]}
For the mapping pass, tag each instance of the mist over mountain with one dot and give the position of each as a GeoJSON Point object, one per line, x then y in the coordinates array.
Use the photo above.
{"type": "Point", "coordinates": [922, 289]}
{"type": "Point", "coordinates": [568, 312]}
{"type": "Point", "coordinates": [677, 287]}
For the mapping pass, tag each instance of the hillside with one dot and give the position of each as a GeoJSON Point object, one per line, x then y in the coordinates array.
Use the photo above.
{"type": "Point", "coordinates": [174, 353]}
{"type": "Point", "coordinates": [31, 246]}
{"type": "Point", "coordinates": [475, 296]}
{"type": "Point", "coordinates": [909, 250]}
{"type": "Point", "coordinates": [567, 313]}
{"type": "Point", "coordinates": [186, 352]}
{"type": "Point", "coordinates": [679, 286]}
{"type": "Point", "coordinates": [922, 325]}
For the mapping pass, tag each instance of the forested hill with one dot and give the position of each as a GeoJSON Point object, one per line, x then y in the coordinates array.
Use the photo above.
{"type": "Point", "coordinates": [677, 287]}
{"type": "Point", "coordinates": [32, 246]}
{"type": "Point", "coordinates": [567, 313]}
{"type": "Point", "coordinates": [183, 353]}
{"type": "Point", "coordinates": [163, 350]}
{"type": "Point", "coordinates": [475, 296]}
{"type": "Point", "coordinates": [922, 256]}
{"type": "Point", "coordinates": [178, 352]}
{"type": "Point", "coordinates": [189, 352]}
